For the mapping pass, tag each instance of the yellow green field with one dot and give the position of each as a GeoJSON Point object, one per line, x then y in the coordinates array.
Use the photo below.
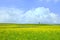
{"type": "Point", "coordinates": [29, 32]}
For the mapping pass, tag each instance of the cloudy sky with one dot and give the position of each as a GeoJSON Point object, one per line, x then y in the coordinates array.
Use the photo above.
{"type": "Point", "coordinates": [30, 11]}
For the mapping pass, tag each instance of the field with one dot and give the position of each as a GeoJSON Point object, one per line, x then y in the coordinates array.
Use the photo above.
{"type": "Point", "coordinates": [29, 32]}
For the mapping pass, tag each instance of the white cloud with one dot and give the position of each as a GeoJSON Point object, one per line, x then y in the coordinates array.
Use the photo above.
{"type": "Point", "coordinates": [9, 14]}
{"type": "Point", "coordinates": [36, 15]}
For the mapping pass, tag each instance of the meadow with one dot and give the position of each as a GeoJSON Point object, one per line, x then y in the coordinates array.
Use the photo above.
{"type": "Point", "coordinates": [29, 32]}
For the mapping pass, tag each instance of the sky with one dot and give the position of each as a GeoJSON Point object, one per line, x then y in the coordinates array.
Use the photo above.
{"type": "Point", "coordinates": [30, 11]}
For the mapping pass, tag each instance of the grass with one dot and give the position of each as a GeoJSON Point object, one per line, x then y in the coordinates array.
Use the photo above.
{"type": "Point", "coordinates": [29, 25]}
{"type": "Point", "coordinates": [29, 32]}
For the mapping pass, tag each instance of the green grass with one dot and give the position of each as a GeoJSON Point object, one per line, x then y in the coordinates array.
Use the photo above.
{"type": "Point", "coordinates": [29, 32]}
{"type": "Point", "coordinates": [29, 35]}
{"type": "Point", "coordinates": [29, 25]}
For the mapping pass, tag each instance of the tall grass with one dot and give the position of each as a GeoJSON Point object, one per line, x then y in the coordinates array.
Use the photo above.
{"type": "Point", "coordinates": [29, 34]}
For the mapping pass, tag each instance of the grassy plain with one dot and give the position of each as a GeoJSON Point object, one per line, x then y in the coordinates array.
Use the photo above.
{"type": "Point", "coordinates": [29, 32]}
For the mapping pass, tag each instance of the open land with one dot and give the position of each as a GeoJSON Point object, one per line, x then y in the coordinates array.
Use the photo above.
{"type": "Point", "coordinates": [29, 32]}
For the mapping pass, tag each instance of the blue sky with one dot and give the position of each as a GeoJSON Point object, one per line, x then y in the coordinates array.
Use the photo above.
{"type": "Point", "coordinates": [30, 11]}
